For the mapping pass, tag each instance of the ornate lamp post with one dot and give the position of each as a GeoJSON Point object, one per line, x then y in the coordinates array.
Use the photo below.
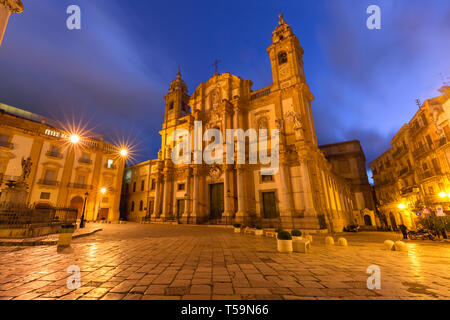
{"type": "Point", "coordinates": [7, 8]}
{"type": "Point", "coordinates": [84, 208]}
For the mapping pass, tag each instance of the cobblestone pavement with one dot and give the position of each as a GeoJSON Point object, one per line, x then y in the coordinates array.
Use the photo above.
{"type": "Point", "coordinates": [133, 261]}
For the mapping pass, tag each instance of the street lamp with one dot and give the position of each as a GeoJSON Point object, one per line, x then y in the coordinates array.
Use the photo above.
{"type": "Point", "coordinates": [84, 208]}
{"type": "Point", "coordinates": [74, 138]}
{"type": "Point", "coordinates": [401, 206]}
{"type": "Point", "coordinates": [124, 152]}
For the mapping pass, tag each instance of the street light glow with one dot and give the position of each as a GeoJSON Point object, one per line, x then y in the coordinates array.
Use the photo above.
{"type": "Point", "coordinates": [103, 190]}
{"type": "Point", "coordinates": [124, 152]}
{"type": "Point", "coordinates": [74, 138]}
{"type": "Point", "coordinates": [442, 194]}
{"type": "Point", "coordinates": [401, 206]}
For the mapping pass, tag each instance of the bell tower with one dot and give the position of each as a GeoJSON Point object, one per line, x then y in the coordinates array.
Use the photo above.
{"type": "Point", "coordinates": [286, 57]}
{"type": "Point", "coordinates": [176, 99]}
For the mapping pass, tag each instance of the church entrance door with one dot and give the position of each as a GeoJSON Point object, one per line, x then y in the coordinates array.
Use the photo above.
{"type": "Point", "coordinates": [216, 204]}
{"type": "Point", "coordinates": [269, 205]}
{"type": "Point", "coordinates": [180, 208]}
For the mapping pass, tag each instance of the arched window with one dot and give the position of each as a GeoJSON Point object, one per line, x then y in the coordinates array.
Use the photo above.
{"type": "Point", "coordinates": [134, 186]}
{"type": "Point", "coordinates": [282, 57]}
{"type": "Point", "coordinates": [132, 206]}
{"type": "Point", "coordinates": [141, 205]}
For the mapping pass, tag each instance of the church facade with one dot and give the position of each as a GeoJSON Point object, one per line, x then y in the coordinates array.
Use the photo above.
{"type": "Point", "coordinates": [304, 192]}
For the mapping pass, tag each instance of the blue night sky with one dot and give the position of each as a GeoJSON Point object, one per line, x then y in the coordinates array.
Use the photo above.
{"type": "Point", "coordinates": [114, 72]}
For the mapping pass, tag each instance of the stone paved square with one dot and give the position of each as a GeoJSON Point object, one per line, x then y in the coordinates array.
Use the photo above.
{"type": "Point", "coordinates": [158, 261]}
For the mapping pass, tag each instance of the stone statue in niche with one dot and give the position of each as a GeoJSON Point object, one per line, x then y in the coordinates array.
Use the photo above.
{"type": "Point", "coordinates": [26, 168]}
{"type": "Point", "coordinates": [296, 119]}
{"type": "Point", "coordinates": [168, 152]}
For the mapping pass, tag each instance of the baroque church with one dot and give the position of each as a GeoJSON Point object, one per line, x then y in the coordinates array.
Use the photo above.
{"type": "Point", "coordinates": [307, 191]}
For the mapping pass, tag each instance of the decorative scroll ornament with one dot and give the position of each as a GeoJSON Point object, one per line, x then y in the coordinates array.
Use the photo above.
{"type": "Point", "coordinates": [215, 172]}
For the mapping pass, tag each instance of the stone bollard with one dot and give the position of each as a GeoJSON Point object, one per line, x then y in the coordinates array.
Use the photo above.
{"type": "Point", "coordinates": [309, 238]}
{"type": "Point", "coordinates": [342, 242]}
{"type": "Point", "coordinates": [400, 246]}
{"type": "Point", "coordinates": [389, 245]}
{"type": "Point", "coordinates": [329, 241]}
{"type": "Point", "coordinates": [65, 236]}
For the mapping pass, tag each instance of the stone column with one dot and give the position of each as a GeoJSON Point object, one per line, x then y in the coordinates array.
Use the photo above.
{"type": "Point", "coordinates": [228, 213]}
{"type": "Point", "coordinates": [195, 209]}
{"type": "Point", "coordinates": [166, 196]}
{"type": "Point", "coordinates": [307, 190]}
{"type": "Point", "coordinates": [286, 193]}
{"type": "Point", "coordinates": [7, 8]}
{"type": "Point", "coordinates": [241, 213]}
{"type": "Point", "coordinates": [187, 197]}
{"type": "Point", "coordinates": [156, 206]}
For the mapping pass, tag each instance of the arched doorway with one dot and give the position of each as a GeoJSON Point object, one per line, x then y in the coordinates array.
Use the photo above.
{"type": "Point", "coordinates": [77, 203]}
{"type": "Point", "coordinates": [367, 220]}
{"type": "Point", "coordinates": [393, 222]}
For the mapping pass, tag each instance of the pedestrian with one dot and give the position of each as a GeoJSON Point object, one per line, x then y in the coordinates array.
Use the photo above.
{"type": "Point", "coordinates": [404, 231]}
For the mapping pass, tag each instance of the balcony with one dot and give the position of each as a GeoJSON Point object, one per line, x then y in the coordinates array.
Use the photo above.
{"type": "Point", "coordinates": [54, 154]}
{"type": "Point", "coordinates": [399, 152]}
{"type": "Point", "coordinates": [110, 166]}
{"type": "Point", "coordinates": [411, 189]}
{"type": "Point", "coordinates": [403, 171]}
{"type": "Point", "coordinates": [260, 93]}
{"type": "Point", "coordinates": [430, 173]}
{"type": "Point", "coordinates": [441, 142]}
{"type": "Point", "coordinates": [415, 129]}
{"type": "Point", "coordinates": [44, 182]}
{"type": "Point", "coordinates": [86, 161]}
{"type": "Point", "coordinates": [80, 186]}
{"type": "Point", "coordinates": [6, 144]}
{"type": "Point", "coordinates": [421, 151]}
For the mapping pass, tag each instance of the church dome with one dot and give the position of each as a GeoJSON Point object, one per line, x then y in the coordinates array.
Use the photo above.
{"type": "Point", "coordinates": [178, 84]}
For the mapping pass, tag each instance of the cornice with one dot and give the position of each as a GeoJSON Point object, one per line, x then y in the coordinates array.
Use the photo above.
{"type": "Point", "coordinates": [15, 6]}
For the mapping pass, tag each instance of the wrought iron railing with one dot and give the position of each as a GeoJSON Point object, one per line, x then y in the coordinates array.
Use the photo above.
{"type": "Point", "coordinates": [54, 154]}
{"type": "Point", "coordinates": [48, 182]}
{"type": "Point", "coordinates": [83, 160]}
{"type": "Point", "coordinates": [6, 144]}
{"type": "Point", "coordinates": [80, 186]}
{"type": "Point", "coordinates": [12, 216]}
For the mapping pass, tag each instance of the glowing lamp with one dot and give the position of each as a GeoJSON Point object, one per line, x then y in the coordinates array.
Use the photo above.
{"type": "Point", "coordinates": [74, 138]}
{"type": "Point", "coordinates": [442, 194]}
{"type": "Point", "coordinates": [401, 206]}
{"type": "Point", "coordinates": [123, 152]}
{"type": "Point", "coordinates": [103, 190]}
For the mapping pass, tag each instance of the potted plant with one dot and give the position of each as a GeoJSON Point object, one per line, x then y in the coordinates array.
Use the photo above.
{"type": "Point", "coordinates": [259, 230]}
{"type": "Point", "coordinates": [296, 235]}
{"type": "Point", "coordinates": [284, 242]}
{"type": "Point", "coordinates": [237, 227]}
{"type": "Point", "coordinates": [65, 235]}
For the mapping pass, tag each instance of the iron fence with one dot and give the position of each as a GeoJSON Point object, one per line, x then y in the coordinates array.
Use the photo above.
{"type": "Point", "coordinates": [30, 217]}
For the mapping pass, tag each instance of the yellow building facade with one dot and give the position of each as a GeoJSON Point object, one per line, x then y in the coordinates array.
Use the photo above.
{"type": "Point", "coordinates": [304, 192]}
{"type": "Point", "coordinates": [65, 166]}
{"type": "Point", "coordinates": [413, 174]}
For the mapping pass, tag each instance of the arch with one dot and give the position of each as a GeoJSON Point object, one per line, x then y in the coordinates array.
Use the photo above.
{"type": "Point", "coordinates": [367, 220]}
{"type": "Point", "coordinates": [77, 203]}
{"type": "Point", "coordinates": [282, 57]}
